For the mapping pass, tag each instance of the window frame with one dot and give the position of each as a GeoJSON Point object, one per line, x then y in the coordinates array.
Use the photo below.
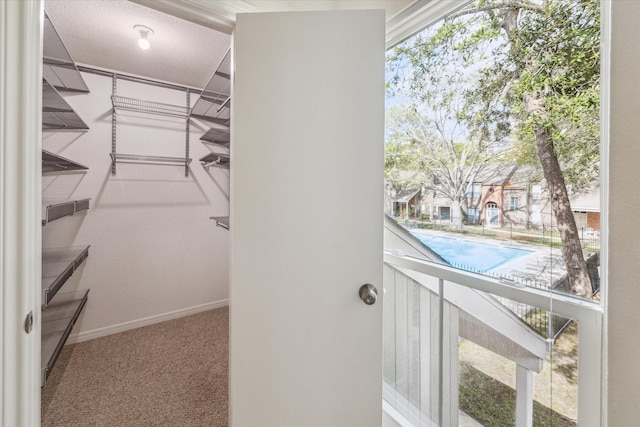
{"type": "Point", "coordinates": [513, 207]}
{"type": "Point", "coordinates": [593, 357]}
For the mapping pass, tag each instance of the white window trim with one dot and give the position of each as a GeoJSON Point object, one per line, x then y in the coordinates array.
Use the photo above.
{"type": "Point", "coordinates": [605, 107]}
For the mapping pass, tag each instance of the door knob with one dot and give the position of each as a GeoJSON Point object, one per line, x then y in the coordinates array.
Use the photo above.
{"type": "Point", "coordinates": [368, 293]}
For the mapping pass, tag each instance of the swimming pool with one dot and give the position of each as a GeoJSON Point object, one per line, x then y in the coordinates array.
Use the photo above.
{"type": "Point", "coordinates": [471, 255]}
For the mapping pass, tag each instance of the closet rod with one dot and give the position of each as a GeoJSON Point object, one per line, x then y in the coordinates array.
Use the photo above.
{"type": "Point", "coordinates": [136, 79]}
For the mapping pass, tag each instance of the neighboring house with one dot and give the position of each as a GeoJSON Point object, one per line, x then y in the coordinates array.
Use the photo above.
{"type": "Point", "coordinates": [404, 203]}
{"type": "Point", "coordinates": [498, 191]}
{"type": "Point", "coordinates": [504, 194]}
{"type": "Point", "coordinates": [586, 208]}
{"type": "Point", "coordinates": [485, 197]}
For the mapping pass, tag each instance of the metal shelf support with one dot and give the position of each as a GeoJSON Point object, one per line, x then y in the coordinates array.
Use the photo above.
{"type": "Point", "coordinates": [114, 92]}
{"type": "Point", "coordinates": [148, 107]}
{"type": "Point", "coordinates": [186, 133]}
{"type": "Point", "coordinates": [221, 221]}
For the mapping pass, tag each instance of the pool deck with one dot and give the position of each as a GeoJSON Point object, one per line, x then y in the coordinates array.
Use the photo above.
{"type": "Point", "coordinates": [543, 266]}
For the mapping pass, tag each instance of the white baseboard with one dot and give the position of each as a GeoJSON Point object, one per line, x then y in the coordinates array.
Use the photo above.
{"type": "Point", "coordinates": [138, 323]}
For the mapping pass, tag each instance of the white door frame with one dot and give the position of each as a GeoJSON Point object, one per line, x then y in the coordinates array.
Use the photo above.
{"type": "Point", "coordinates": [20, 207]}
{"type": "Point", "coordinates": [489, 211]}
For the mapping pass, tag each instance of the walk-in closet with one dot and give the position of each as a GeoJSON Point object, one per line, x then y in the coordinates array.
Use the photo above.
{"type": "Point", "coordinates": [201, 183]}
{"type": "Point", "coordinates": [135, 188]}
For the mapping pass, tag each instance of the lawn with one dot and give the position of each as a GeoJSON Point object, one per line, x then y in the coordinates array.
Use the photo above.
{"type": "Point", "coordinates": [487, 384]}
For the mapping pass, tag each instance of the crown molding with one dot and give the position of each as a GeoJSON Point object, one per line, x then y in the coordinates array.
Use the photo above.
{"type": "Point", "coordinates": [219, 15]}
{"type": "Point", "coordinates": [418, 16]}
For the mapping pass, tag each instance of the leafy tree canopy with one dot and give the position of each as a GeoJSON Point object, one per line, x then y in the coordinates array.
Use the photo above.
{"type": "Point", "coordinates": [506, 49]}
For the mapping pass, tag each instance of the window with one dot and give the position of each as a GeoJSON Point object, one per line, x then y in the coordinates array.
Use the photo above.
{"type": "Point", "coordinates": [468, 59]}
{"type": "Point", "coordinates": [536, 191]}
{"type": "Point", "coordinates": [473, 215]}
{"type": "Point", "coordinates": [513, 204]}
{"type": "Point", "coordinates": [474, 191]}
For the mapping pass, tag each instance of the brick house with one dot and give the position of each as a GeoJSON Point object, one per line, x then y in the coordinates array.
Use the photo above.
{"type": "Point", "coordinates": [504, 194]}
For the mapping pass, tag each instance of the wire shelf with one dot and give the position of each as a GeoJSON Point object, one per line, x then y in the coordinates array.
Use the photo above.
{"type": "Point", "coordinates": [56, 211]}
{"type": "Point", "coordinates": [142, 159]}
{"type": "Point", "coordinates": [58, 66]}
{"type": "Point", "coordinates": [57, 114]}
{"type": "Point", "coordinates": [216, 136]}
{"type": "Point", "coordinates": [214, 102]}
{"type": "Point", "coordinates": [54, 163]}
{"type": "Point", "coordinates": [218, 160]}
{"type": "Point", "coordinates": [57, 322]}
{"type": "Point", "coordinates": [221, 221]}
{"type": "Point", "coordinates": [150, 107]}
{"type": "Point", "coordinates": [58, 264]}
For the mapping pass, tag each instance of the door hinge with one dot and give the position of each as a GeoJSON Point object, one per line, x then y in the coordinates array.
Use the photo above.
{"type": "Point", "coordinates": [28, 322]}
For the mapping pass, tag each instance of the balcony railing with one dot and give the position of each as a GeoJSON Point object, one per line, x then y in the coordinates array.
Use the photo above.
{"type": "Point", "coordinates": [450, 342]}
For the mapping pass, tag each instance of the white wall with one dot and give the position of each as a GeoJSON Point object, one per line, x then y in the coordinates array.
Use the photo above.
{"type": "Point", "coordinates": [154, 252]}
{"type": "Point", "coordinates": [624, 225]}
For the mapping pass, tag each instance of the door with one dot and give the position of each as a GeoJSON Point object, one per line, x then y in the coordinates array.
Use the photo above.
{"type": "Point", "coordinates": [493, 214]}
{"type": "Point", "coordinates": [535, 214]}
{"type": "Point", "coordinates": [306, 219]}
{"type": "Point", "coordinates": [20, 182]}
{"type": "Point", "coordinates": [445, 213]}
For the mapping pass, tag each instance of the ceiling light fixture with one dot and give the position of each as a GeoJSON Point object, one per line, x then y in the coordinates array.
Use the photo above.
{"type": "Point", "coordinates": [144, 31]}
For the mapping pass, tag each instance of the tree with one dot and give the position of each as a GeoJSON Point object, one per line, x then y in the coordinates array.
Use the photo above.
{"type": "Point", "coordinates": [446, 156]}
{"type": "Point", "coordinates": [403, 166]}
{"type": "Point", "coordinates": [536, 65]}
{"type": "Point", "coordinates": [403, 172]}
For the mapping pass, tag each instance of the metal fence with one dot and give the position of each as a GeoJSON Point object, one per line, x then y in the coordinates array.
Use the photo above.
{"type": "Point", "coordinates": [507, 231]}
{"type": "Point", "coordinates": [547, 324]}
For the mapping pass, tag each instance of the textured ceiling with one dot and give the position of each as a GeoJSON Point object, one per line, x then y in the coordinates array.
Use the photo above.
{"type": "Point", "coordinates": [100, 33]}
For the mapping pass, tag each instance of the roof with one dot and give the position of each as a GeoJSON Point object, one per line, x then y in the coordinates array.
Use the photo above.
{"type": "Point", "coordinates": [587, 200]}
{"type": "Point", "coordinates": [404, 196]}
{"type": "Point", "coordinates": [496, 173]}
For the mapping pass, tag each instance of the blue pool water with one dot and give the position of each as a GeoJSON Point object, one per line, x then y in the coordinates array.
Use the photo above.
{"type": "Point", "coordinates": [470, 255]}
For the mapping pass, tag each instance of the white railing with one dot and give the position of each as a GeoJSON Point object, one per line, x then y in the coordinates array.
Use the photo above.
{"type": "Point", "coordinates": [426, 393]}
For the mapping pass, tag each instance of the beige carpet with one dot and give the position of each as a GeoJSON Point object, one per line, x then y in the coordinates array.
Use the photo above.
{"type": "Point", "coordinates": [169, 374]}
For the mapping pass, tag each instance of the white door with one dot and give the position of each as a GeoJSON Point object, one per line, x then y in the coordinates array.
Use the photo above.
{"type": "Point", "coordinates": [493, 214]}
{"type": "Point", "coordinates": [535, 214]}
{"type": "Point", "coordinates": [20, 182]}
{"type": "Point", "coordinates": [306, 219]}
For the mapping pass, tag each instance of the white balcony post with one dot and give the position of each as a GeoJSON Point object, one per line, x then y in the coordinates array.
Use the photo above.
{"type": "Point", "coordinates": [524, 397]}
{"type": "Point", "coordinates": [450, 365]}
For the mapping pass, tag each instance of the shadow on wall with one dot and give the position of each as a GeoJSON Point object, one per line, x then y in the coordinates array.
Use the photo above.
{"type": "Point", "coordinates": [222, 184]}
{"type": "Point", "coordinates": [59, 186]}
{"type": "Point", "coordinates": [149, 185]}
{"type": "Point", "coordinates": [67, 139]}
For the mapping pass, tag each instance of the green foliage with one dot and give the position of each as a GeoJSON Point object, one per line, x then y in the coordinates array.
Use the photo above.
{"type": "Point", "coordinates": [434, 150]}
{"type": "Point", "coordinates": [403, 166]}
{"type": "Point", "coordinates": [498, 55]}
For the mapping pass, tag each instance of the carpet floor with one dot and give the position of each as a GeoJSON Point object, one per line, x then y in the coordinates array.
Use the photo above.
{"type": "Point", "coordinates": [173, 373]}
